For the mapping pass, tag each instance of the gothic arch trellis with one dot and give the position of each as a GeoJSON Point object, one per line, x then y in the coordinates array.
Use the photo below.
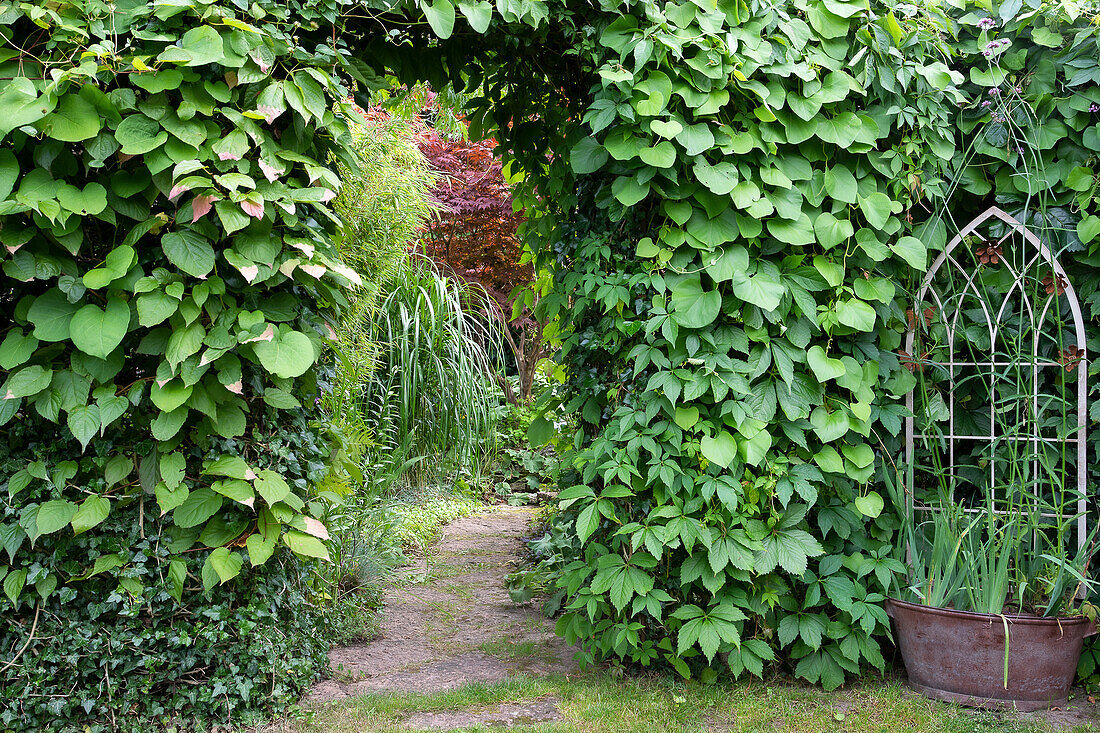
{"type": "Point", "coordinates": [997, 239]}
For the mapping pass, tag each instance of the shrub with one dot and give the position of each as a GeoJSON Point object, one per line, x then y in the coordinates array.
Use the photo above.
{"type": "Point", "coordinates": [169, 280]}
{"type": "Point", "coordinates": [733, 200]}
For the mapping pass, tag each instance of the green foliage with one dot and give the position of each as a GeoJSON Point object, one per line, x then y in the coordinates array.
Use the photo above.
{"type": "Point", "coordinates": [716, 192]}
{"type": "Point", "coordinates": [731, 200]}
{"type": "Point", "coordinates": [382, 399]}
{"type": "Point", "coordinates": [169, 280]}
{"type": "Point", "coordinates": [203, 337]}
{"type": "Point", "coordinates": [413, 374]}
{"type": "Point", "coordinates": [750, 182]}
{"type": "Point", "coordinates": [133, 639]}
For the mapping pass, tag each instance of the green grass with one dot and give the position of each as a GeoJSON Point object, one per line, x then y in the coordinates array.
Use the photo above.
{"type": "Point", "coordinates": [420, 522]}
{"type": "Point", "coordinates": [602, 703]}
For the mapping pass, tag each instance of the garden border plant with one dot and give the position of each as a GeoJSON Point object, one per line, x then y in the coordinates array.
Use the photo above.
{"type": "Point", "coordinates": [732, 229]}
{"type": "Point", "coordinates": [729, 198]}
{"type": "Point", "coordinates": [169, 280]}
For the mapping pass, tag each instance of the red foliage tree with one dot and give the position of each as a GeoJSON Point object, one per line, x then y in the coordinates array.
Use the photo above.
{"type": "Point", "coordinates": [475, 237]}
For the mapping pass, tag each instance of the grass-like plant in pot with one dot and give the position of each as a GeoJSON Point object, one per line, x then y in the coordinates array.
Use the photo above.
{"type": "Point", "coordinates": [992, 505]}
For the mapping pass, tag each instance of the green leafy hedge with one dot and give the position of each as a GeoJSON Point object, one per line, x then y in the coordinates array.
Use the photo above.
{"type": "Point", "coordinates": [169, 280]}
{"type": "Point", "coordinates": [778, 172]}
{"type": "Point", "coordinates": [733, 199]}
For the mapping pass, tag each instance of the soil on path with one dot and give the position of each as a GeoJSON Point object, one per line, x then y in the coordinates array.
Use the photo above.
{"type": "Point", "coordinates": [458, 625]}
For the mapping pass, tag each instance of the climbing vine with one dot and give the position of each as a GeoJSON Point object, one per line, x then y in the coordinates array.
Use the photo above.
{"type": "Point", "coordinates": [729, 200]}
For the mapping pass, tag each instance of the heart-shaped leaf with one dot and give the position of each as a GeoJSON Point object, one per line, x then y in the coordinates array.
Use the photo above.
{"type": "Point", "coordinates": [288, 354]}
{"type": "Point", "coordinates": [823, 367]}
{"type": "Point", "coordinates": [721, 449]}
{"type": "Point", "coordinates": [99, 332]}
{"type": "Point", "coordinates": [870, 505]}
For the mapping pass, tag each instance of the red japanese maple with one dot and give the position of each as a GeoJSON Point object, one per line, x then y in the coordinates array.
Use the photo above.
{"type": "Point", "coordinates": [475, 236]}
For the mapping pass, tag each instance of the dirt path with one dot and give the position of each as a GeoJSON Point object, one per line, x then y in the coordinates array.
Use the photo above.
{"type": "Point", "coordinates": [458, 625]}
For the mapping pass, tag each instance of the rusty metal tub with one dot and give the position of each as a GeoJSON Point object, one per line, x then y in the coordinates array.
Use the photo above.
{"type": "Point", "coordinates": [960, 656]}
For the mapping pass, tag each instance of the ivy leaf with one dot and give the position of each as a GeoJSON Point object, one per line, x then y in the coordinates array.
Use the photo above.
{"type": "Point", "coordinates": [99, 332]}
{"type": "Point", "coordinates": [189, 251]}
{"type": "Point", "coordinates": [692, 306]}
{"type": "Point", "coordinates": [720, 449]}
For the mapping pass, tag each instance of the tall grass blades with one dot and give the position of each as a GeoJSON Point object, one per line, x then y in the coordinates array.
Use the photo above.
{"type": "Point", "coordinates": [992, 511]}
{"type": "Point", "coordinates": [432, 388]}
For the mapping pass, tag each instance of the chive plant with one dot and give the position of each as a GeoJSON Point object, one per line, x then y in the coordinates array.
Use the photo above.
{"type": "Point", "coordinates": [995, 528]}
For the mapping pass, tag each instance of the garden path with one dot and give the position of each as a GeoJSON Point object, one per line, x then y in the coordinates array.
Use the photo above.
{"type": "Point", "coordinates": [458, 625]}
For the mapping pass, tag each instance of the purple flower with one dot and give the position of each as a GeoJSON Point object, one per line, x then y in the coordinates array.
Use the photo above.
{"type": "Point", "coordinates": [987, 54]}
{"type": "Point", "coordinates": [1094, 108]}
{"type": "Point", "coordinates": [986, 103]}
{"type": "Point", "coordinates": [995, 92]}
{"type": "Point", "coordinates": [986, 23]}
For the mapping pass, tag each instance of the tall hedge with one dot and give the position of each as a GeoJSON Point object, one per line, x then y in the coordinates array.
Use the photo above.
{"type": "Point", "coordinates": [730, 199]}
{"type": "Point", "coordinates": [733, 199]}
{"type": "Point", "coordinates": [169, 280]}
{"type": "Point", "coordinates": [778, 175]}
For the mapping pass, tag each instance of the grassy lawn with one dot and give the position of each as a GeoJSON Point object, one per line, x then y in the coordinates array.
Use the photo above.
{"type": "Point", "coordinates": [600, 703]}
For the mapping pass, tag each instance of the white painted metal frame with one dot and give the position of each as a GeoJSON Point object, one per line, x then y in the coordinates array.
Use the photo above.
{"type": "Point", "coordinates": [993, 322]}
